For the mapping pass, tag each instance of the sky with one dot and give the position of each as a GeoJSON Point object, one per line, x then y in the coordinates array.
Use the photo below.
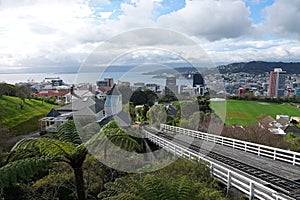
{"type": "Point", "coordinates": [59, 35]}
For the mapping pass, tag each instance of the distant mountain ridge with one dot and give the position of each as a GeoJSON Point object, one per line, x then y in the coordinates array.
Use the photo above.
{"type": "Point", "coordinates": [257, 67]}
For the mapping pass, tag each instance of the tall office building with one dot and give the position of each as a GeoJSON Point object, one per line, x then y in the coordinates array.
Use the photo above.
{"type": "Point", "coordinates": [171, 87]}
{"type": "Point", "coordinates": [277, 83]}
{"type": "Point", "coordinates": [110, 81]}
{"type": "Point", "coordinates": [198, 84]}
{"type": "Point", "coordinates": [198, 80]}
{"type": "Point", "coordinates": [107, 82]}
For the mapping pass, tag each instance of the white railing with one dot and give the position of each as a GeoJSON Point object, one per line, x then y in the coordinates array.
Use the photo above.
{"type": "Point", "coordinates": [258, 149]}
{"type": "Point", "coordinates": [251, 188]}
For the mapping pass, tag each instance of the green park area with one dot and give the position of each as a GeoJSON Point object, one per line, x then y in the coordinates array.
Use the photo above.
{"type": "Point", "coordinates": [22, 118]}
{"type": "Point", "coordinates": [246, 112]}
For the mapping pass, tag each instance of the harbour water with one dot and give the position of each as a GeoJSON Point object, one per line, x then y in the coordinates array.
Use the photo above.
{"type": "Point", "coordinates": [73, 78]}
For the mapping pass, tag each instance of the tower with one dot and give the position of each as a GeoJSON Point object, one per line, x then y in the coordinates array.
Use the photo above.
{"type": "Point", "coordinates": [277, 83]}
{"type": "Point", "coordinates": [198, 80]}
{"type": "Point", "coordinates": [171, 88]}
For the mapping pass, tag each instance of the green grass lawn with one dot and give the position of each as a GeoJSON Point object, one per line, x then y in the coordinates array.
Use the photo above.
{"type": "Point", "coordinates": [21, 121]}
{"type": "Point", "coordinates": [245, 112]}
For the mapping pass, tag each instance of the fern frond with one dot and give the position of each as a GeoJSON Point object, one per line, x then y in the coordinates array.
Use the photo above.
{"type": "Point", "coordinates": [21, 169]}
{"type": "Point", "coordinates": [68, 133]}
{"type": "Point", "coordinates": [183, 187]}
{"type": "Point", "coordinates": [45, 146]}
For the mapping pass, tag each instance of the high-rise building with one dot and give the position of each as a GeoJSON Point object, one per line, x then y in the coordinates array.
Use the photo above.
{"type": "Point", "coordinates": [171, 88]}
{"type": "Point", "coordinates": [110, 81]}
{"type": "Point", "coordinates": [107, 82]}
{"type": "Point", "coordinates": [277, 83]}
{"type": "Point", "coordinates": [102, 83]}
{"type": "Point", "coordinates": [198, 80]}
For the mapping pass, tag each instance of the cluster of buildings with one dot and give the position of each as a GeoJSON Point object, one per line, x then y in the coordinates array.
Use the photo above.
{"type": "Point", "coordinates": [276, 83]}
{"type": "Point", "coordinates": [87, 104]}
{"type": "Point", "coordinates": [197, 88]}
{"type": "Point", "coordinates": [102, 100]}
{"type": "Point", "coordinates": [282, 125]}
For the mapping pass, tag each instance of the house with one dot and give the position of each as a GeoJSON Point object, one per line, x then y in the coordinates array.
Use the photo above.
{"type": "Point", "coordinates": [53, 113]}
{"type": "Point", "coordinates": [274, 126]}
{"type": "Point", "coordinates": [52, 93]}
{"type": "Point", "coordinates": [50, 124]}
{"type": "Point", "coordinates": [113, 102]}
{"type": "Point", "coordinates": [88, 109]}
{"type": "Point", "coordinates": [296, 119]}
{"type": "Point", "coordinates": [74, 95]}
{"type": "Point", "coordinates": [293, 130]}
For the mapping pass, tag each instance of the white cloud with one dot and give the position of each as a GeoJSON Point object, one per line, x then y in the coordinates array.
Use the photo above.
{"type": "Point", "coordinates": [42, 32]}
{"type": "Point", "coordinates": [242, 51]}
{"type": "Point", "coordinates": [105, 15]}
{"type": "Point", "coordinates": [283, 17]}
{"type": "Point", "coordinates": [61, 33]}
{"type": "Point", "coordinates": [211, 19]}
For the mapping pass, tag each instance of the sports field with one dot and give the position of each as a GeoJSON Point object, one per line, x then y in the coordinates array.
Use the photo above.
{"type": "Point", "coordinates": [246, 112]}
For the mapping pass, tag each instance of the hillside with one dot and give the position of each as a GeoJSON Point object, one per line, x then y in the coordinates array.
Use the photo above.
{"type": "Point", "coordinates": [246, 112]}
{"type": "Point", "coordinates": [21, 121]}
{"type": "Point", "coordinates": [256, 67]}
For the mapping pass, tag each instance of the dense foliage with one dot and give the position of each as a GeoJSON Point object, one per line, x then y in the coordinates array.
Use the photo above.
{"type": "Point", "coordinates": [182, 179]}
{"type": "Point", "coordinates": [31, 156]}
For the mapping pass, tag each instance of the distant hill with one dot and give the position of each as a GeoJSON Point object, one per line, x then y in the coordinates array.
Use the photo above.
{"type": "Point", "coordinates": [256, 67]}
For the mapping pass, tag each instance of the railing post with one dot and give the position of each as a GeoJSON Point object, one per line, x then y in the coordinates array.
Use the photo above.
{"type": "Point", "coordinates": [222, 141]}
{"type": "Point", "coordinates": [258, 151]}
{"type": "Point", "coordinates": [211, 169]}
{"type": "Point", "coordinates": [274, 157]}
{"type": "Point", "coordinates": [233, 144]}
{"type": "Point", "coordinates": [294, 159]}
{"type": "Point", "coordinates": [246, 147]}
{"type": "Point", "coordinates": [251, 190]}
{"type": "Point", "coordinates": [175, 150]}
{"type": "Point", "coordinates": [228, 181]}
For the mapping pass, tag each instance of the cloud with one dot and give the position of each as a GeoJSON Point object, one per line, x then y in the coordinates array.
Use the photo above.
{"type": "Point", "coordinates": [283, 17]}
{"type": "Point", "coordinates": [105, 15]}
{"type": "Point", "coordinates": [210, 19]}
{"type": "Point", "coordinates": [60, 34]}
{"type": "Point", "coordinates": [38, 33]}
{"type": "Point", "coordinates": [231, 50]}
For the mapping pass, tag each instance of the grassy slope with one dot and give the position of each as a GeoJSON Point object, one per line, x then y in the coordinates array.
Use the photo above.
{"type": "Point", "coordinates": [23, 120]}
{"type": "Point", "coordinates": [246, 112]}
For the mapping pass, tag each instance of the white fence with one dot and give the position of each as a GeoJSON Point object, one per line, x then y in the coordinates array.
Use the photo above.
{"type": "Point", "coordinates": [261, 150]}
{"type": "Point", "coordinates": [232, 178]}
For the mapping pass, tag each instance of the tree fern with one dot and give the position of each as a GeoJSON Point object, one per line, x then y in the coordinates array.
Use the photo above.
{"type": "Point", "coordinates": [21, 169]}
{"type": "Point", "coordinates": [69, 133]}
{"type": "Point", "coordinates": [183, 186]}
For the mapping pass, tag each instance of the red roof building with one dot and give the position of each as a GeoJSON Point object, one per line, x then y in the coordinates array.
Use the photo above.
{"type": "Point", "coordinates": [51, 93]}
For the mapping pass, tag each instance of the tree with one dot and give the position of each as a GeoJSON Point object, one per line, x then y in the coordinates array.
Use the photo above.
{"type": "Point", "coordinates": [157, 115]}
{"type": "Point", "coordinates": [23, 92]}
{"type": "Point", "coordinates": [132, 112]}
{"type": "Point", "coordinates": [142, 113]}
{"type": "Point", "coordinates": [203, 103]}
{"type": "Point", "coordinates": [33, 155]}
{"type": "Point", "coordinates": [140, 97]}
{"type": "Point", "coordinates": [181, 180]}
{"type": "Point", "coordinates": [126, 93]}
{"type": "Point", "coordinates": [7, 89]}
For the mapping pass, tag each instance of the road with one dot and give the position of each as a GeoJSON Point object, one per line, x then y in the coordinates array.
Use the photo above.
{"type": "Point", "coordinates": [15, 139]}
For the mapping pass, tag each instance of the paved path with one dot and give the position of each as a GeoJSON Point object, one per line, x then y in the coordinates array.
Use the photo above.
{"type": "Point", "coordinates": [15, 139]}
